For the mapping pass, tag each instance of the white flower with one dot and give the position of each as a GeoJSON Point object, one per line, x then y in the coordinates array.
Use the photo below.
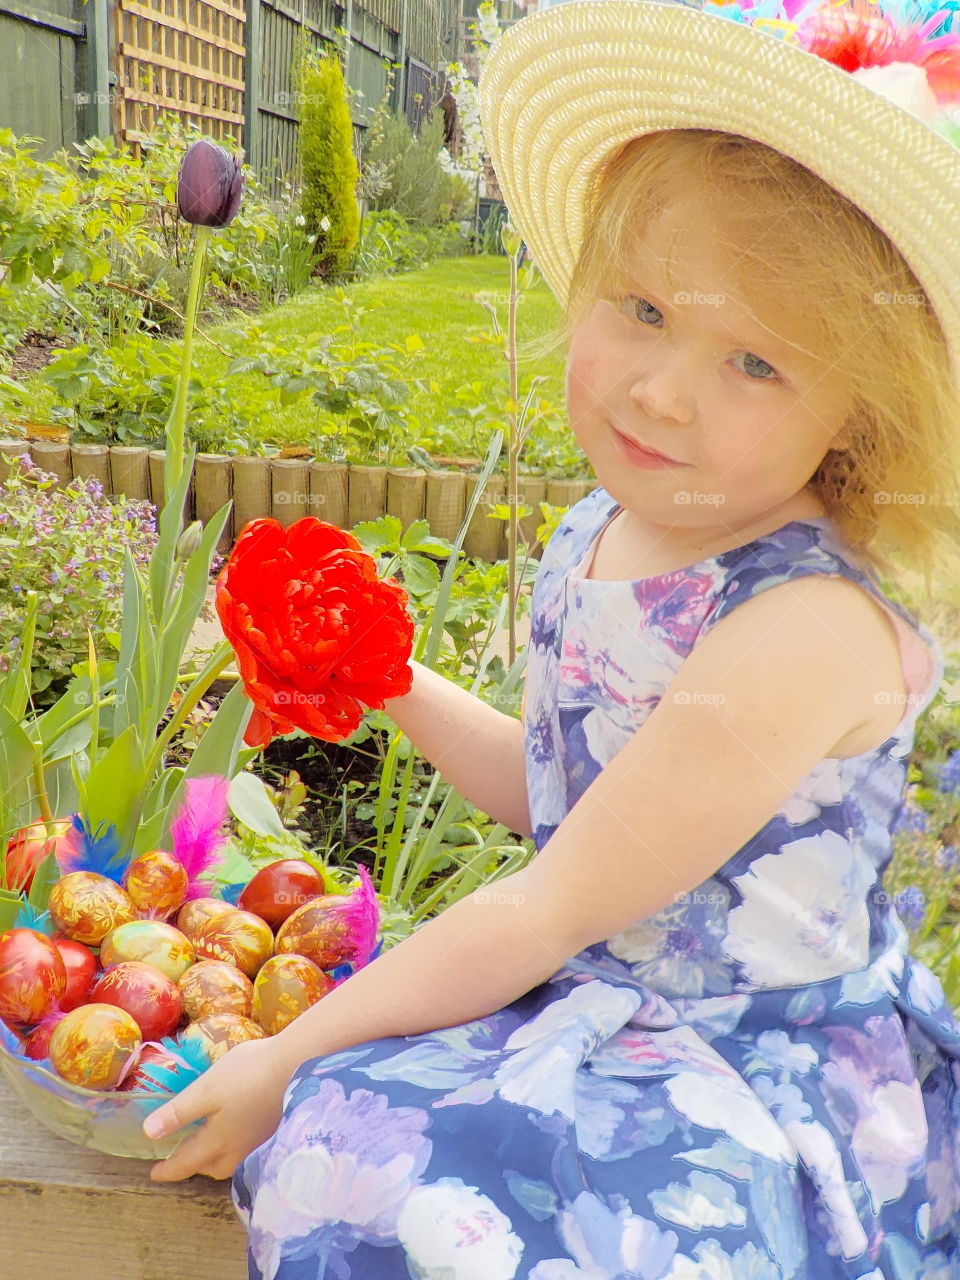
{"type": "Point", "coordinates": [904, 84]}
{"type": "Point", "coordinates": [817, 1148]}
{"type": "Point", "coordinates": [299, 220]}
{"type": "Point", "coordinates": [704, 1200]}
{"type": "Point", "coordinates": [451, 1231]}
{"type": "Point", "coordinates": [324, 224]}
{"type": "Point", "coordinates": [822, 786]}
{"type": "Point", "coordinates": [890, 1142]}
{"type": "Point", "coordinates": [804, 913]}
{"type": "Point", "coordinates": [729, 1104]}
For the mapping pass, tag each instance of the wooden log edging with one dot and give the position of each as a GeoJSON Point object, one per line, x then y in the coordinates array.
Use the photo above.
{"type": "Point", "coordinates": [289, 488]}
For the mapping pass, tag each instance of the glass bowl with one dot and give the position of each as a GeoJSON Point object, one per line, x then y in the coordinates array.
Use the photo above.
{"type": "Point", "coordinates": [106, 1121]}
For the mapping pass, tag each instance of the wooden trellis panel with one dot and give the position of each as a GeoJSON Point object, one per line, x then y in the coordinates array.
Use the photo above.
{"type": "Point", "coordinates": [185, 56]}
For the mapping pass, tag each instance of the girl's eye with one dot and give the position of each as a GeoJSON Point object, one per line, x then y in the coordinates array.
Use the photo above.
{"type": "Point", "coordinates": [770, 376]}
{"type": "Point", "coordinates": [641, 308]}
{"type": "Point", "coordinates": [647, 313]}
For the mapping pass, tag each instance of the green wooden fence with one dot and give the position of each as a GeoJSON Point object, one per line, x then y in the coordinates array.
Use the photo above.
{"type": "Point", "coordinates": [70, 69]}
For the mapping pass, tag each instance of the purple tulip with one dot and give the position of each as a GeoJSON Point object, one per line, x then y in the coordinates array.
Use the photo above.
{"type": "Point", "coordinates": [209, 186]}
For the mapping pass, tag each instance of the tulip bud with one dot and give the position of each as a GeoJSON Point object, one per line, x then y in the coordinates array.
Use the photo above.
{"type": "Point", "coordinates": [189, 540]}
{"type": "Point", "coordinates": [209, 186]}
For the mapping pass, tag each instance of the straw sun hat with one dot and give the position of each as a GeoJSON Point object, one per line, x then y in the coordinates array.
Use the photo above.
{"type": "Point", "coordinates": [864, 94]}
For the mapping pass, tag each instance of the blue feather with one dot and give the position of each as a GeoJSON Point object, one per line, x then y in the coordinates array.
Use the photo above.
{"type": "Point", "coordinates": [193, 1060]}
{"type": "Point", "coordinates": [230, 892]}
{"type": "Point", "coordinates": [98, 851]}
{"type": "Point", "coordinates": [29, 917]}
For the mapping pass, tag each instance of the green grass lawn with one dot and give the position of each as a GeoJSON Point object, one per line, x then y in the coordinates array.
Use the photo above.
{"type": "Point", "coordinates": [439, 304]}
{"type": "Point", "coordinates": [458, 378]}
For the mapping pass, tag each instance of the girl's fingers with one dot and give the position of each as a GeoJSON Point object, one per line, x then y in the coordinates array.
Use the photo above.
{"type": "Point", "coordinates": [184, 1163]}
{"type": "Point", "coordinates": [185, 1107]}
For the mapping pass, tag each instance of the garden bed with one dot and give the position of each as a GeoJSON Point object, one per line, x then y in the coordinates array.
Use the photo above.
{"type": "Point", "coordinates": [289, 488]}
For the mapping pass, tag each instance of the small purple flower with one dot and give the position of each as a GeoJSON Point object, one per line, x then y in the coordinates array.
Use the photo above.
{"type": "Point", "coordinates": [948, 780]}
{"type": "Point", "coordinates": [948, 857]}
{"type": "Point", "coordinates": [911, 906]}
{"type": "Point", "coordinates": [910, 818]}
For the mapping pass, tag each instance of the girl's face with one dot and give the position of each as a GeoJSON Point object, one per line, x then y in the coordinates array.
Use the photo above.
{"type": "Point", "coordinates": [689, 373]}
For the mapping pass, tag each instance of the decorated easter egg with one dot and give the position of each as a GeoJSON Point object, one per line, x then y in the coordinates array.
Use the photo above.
{"type": "Point", "coordinates": [90, 1045]}
{"type": "Point", "coordinates": [319, 930]}
{"type": "Point", "coordinates": [85, 906]}
{"type": "Point", "coordinates": [193, 913]}
{"type": "Point", "coordinates": [81, 966]}
{"type": "Point", "coordinates": [279, 888]}
{"type": "Point", "coordinates": [32, 976]}
{"type": "Point", "coordinates": [27, 849]}
{"type": "Point", "coordinates": [220, 1032]}
{"type": "Point", "coordinates": [214, 986]}
{"type": "Point", "coordinates": [284, 988]}
{"type": "Point", "coordinates": [37, 1043]}
{"type": "Point", "coordinates": [151, 998]}
{"type": "Point", "coordinates": [239, 937]}
{"type": "Point", "coordinates": [156, 882]}
{"type": "Point", "coordinates": [151, 941]}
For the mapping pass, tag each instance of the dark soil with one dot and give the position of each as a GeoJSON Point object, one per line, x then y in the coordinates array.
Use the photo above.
{"type": "Point", "coordinates": [35, 352]}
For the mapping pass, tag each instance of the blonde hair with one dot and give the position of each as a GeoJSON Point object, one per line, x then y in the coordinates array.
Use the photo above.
{"type": "Point", "coordinates": [806, 255]}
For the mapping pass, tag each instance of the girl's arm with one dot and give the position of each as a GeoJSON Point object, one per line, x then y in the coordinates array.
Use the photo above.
{"type": "Point", "coordinates": [477, 749]}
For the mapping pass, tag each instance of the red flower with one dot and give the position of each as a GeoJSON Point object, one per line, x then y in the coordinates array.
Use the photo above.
{"type": "Point", "coordinates": [315, 631]}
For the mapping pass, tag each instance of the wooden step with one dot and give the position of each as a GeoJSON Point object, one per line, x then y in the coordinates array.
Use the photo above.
{"type": "Point", "coordinates": [69, 1213]}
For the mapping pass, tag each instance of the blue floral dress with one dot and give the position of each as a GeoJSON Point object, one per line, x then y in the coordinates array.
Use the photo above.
{"type": "Point", "coordinates": [756, 1083]}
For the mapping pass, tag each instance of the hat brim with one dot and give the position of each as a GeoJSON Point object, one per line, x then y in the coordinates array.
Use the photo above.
{"type": "Point", "coordinates": [565, 87]}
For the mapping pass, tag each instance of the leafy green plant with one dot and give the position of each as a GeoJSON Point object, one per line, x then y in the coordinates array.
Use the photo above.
{"type": "Point", "coordinates": [410, 178]}
{"type": "Point", "coordinates": [328, 166]}
{"type": "Point", "coordinates": [68, 546]}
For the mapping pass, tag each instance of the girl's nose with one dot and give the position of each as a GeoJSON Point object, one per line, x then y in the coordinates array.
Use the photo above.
{"type": "Point", "coordinates": [664, 388]}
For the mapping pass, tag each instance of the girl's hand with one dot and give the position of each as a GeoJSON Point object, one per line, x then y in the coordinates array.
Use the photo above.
{"type": "Point", "coordinates": [240, 1098]}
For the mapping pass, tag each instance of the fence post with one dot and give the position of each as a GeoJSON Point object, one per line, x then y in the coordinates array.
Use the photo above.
{"type": "Point", "coordinates": [251, 84]}
{"type": "Point", "coordinates": [98, 70]}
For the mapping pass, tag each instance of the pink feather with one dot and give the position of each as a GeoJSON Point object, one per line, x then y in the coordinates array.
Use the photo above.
{"type": "Point", "coordinates": [196, 834]}
{"type": "Point", "coordinates": [361, 911]}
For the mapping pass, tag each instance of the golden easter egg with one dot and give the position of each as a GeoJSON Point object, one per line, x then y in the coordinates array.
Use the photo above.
{"type": "Point", "coordinates": [193, 913]}
{"type": "Point", "coordinates": [86, 906]}
{"type": "Point", "coordinates": [239, 937]}
{"type": "Point", "coordinates": [318, 930]}
{"type": "Point", "coordinates": [284, 988]}
{"type": "Point", "coordinates": [214, 986]}
{"type": "Point", "coordinates": [220, 1032]}
{"type": "Point", "coordinates": [90, 1045]}
{"type": "Point", "coordinates": [153, 942]}
{"type": "Point", "coordinates": [156, 882]}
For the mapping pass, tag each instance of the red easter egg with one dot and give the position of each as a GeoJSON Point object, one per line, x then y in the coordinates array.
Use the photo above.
{"type": "Point", "coordinates": [149, 996]}
{"type": "Point", "coordinates": [193, 913]}
{"type": "Point", "coordinates": [32, 976]}
{"type": "Point", "coordinates": [37, 1043]}
{"type": "Point", "coordinates": [141, 1078]}
{"type": "Point", "coordinates": [90, 1045]}
{"type": "Point", "coordinates": [156, 882]}
{"type": "Point", "coordinates": [28, 847]}
{"type": "Point", "coordinates": [214, 986]}
{"type": "Point", "coordinates": [239, 937]}
{"type": "Point", "coordinates": [81, 966]}
{"type": "Point", "coordinates": [279, 888]}
{"type": "Point", "coordinates": [284, 988]}
{"type": "Point", "coordinates": [86, 906]}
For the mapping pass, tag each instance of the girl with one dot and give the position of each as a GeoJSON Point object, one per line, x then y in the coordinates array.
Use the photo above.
{"type": "Point", "coordinates": [688, 1041]}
